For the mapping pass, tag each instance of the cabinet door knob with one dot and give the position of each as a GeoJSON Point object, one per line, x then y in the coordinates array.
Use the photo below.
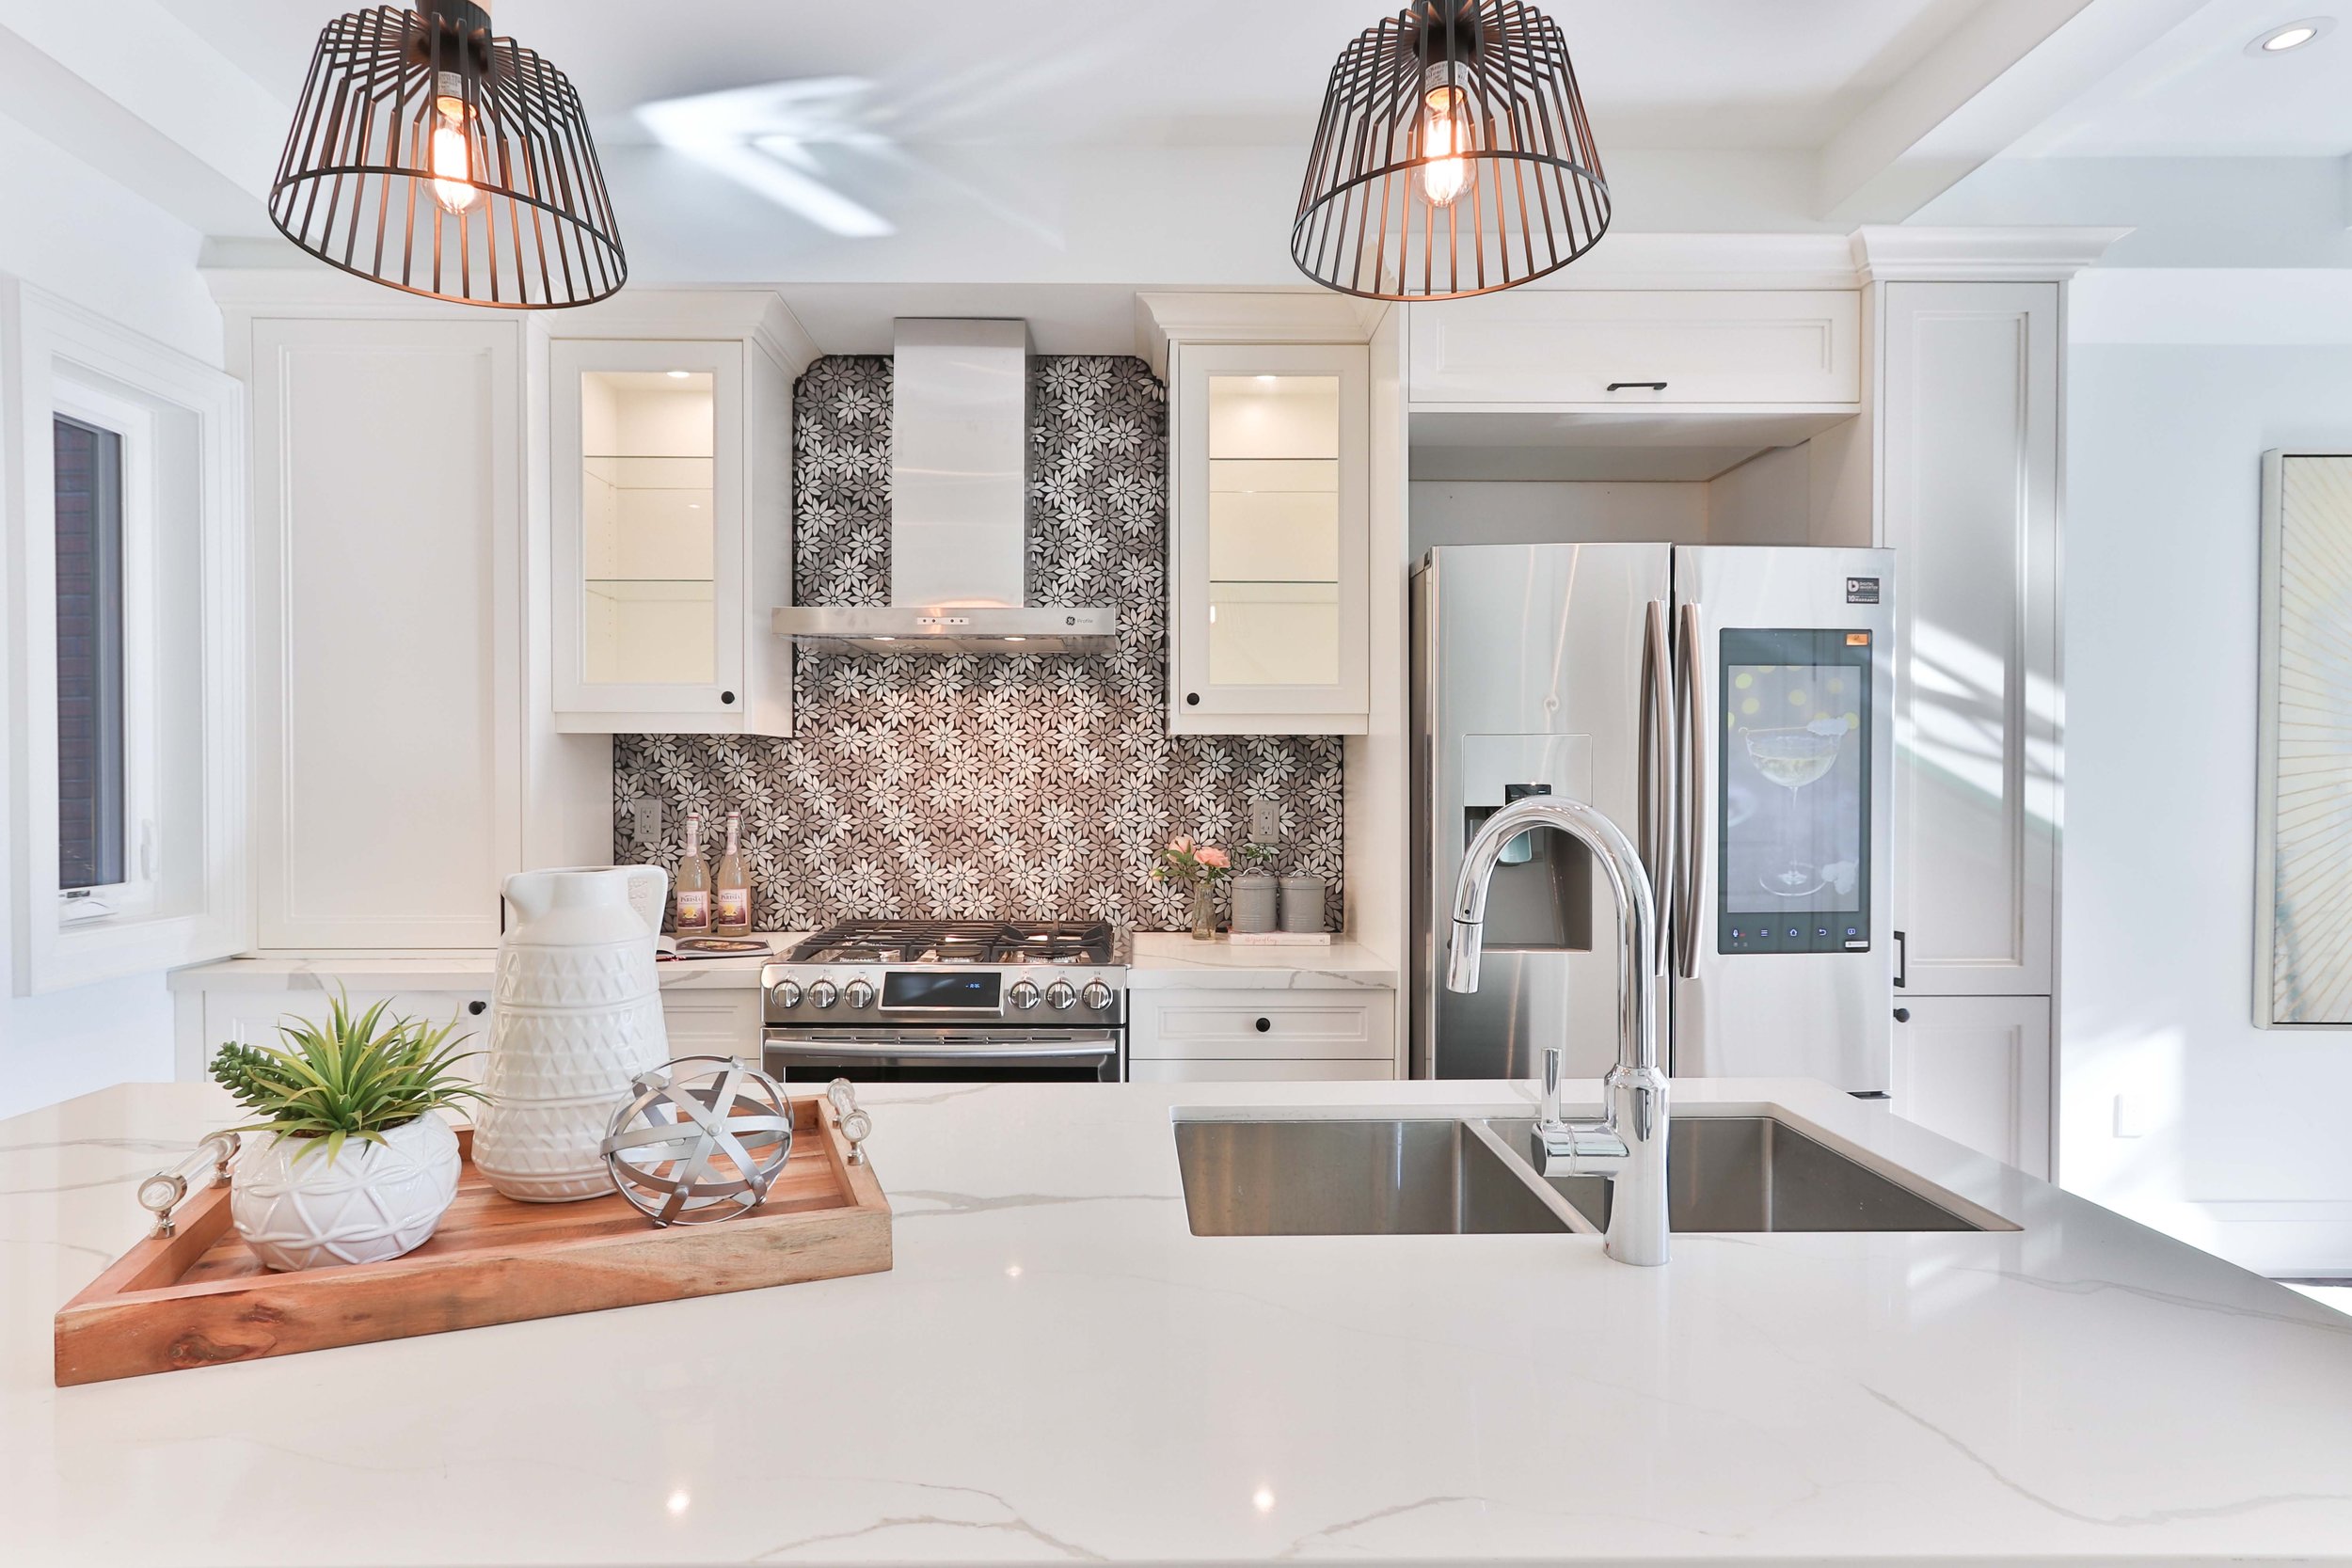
{"type": "Point", "coordinates": [477, 1008]}
{"type": "Point", "coordinates": [1265, 1024]}
{"type": "Point", "coordinates": [1902, 1015]}
{"type": "Point", "coordinates": [727, 697]}
{"type": "Point", "coordinates": [1192, 699]}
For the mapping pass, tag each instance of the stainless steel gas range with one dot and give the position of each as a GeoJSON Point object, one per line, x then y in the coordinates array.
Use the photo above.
{"type": "Point", "coordinates": [922, 1002]}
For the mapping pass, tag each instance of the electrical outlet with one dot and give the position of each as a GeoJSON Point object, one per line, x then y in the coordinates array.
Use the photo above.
{"type": "Point", "coordinates": [644, 820]}
{"type": "Point", "coordinates": [2132, 1120]}
{"type": "Point", "coordinates": [1265, 819]}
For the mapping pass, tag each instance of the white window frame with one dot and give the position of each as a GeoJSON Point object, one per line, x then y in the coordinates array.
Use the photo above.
{"type": "Point", "coordinates": [135, 896]}
{"type": "Point", "coordinates": [187, 900]}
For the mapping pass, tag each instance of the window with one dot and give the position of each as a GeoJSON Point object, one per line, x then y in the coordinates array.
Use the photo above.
{"type": "Point", "coordinates": [90, 827]}
{"type": "Point", "coordinates": [128, 528]}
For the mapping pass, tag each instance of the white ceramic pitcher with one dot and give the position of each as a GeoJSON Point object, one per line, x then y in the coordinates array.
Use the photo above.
{"type": "Point", "coordinates": [576, 1015]}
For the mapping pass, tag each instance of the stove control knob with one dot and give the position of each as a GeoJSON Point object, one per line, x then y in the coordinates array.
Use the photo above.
{"type": "Point", "coordinates": [822, 994]}
{"type": "Point", "coordinates": [1060, 996]}
{"type": "Point", "coordinates": [857, 993]}
{"type": "Point", "coordinates": [1097, 995]}
{"type": "Point", "coordinates": [1024, 995]}
{"type": "Point", "coordinates": [787, 993]}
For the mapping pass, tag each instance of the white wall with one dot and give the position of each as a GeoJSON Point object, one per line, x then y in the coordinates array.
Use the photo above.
{"type": "Point", "coordinates": [75, 234]}
{"type": "Point", "coordinates": [2245, 1149]}
{"type": "Point", "coordinates": [1447, 511]}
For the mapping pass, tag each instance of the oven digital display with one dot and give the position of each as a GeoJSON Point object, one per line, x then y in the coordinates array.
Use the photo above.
{"type": "Point", "coordinates": [917, 989]}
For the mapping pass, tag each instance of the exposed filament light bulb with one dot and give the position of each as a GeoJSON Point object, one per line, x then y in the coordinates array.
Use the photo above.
{"type": "Point", "coordinates": [1445, 136]}
{"type": "Point", "coordinates": [451, 155]}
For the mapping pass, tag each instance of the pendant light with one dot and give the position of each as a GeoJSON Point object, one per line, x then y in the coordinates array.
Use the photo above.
{"type": "Point", "coordinates": [428, 155]}
{"type": "Point", "coordinates": [1454, 157]}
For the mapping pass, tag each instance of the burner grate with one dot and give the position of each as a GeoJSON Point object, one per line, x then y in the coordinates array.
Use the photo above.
{"type": "Point", "coordinates": [972, 941]}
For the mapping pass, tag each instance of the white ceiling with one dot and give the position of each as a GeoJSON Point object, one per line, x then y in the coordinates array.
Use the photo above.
{"type": "Point", "coordinates": [1658, 73]}
{"type": "Point", "coordinates": [1069, 154]}
{"type": "Point", "coordinates": [2197, 93]}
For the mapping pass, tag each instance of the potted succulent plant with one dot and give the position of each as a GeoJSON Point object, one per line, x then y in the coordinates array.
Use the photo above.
{"type": "Point", "coordinates": [350, 1162]}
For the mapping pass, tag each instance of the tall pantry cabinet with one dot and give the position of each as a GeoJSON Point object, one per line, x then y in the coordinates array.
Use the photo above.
{"type": "Point", "coordinates": [1969, 357]}
{"type": "Point", "coordinates": [390, 701]}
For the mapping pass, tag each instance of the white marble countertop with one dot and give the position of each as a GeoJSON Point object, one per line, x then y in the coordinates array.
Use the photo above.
{"type": "Point", "coordinates": [1057, 1370]}
{"type": "Point", "coordinates": [1161, 961]}
{"type": "Point", "coordinates": [1170, 960]}
{"type": "Point", "coordinates": [455, 969]}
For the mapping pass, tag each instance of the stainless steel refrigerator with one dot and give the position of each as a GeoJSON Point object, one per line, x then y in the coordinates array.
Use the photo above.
{"type": "Point", "coordinates": [1729, 707]}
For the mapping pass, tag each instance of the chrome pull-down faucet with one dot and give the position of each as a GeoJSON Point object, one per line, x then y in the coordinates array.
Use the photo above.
{"type": "Point", "coordinates": [1627, 1143]}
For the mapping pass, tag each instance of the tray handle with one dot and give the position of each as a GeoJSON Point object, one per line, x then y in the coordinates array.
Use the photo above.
{"type": "Point", "coordinates": [856, 1126]}
{"type": "Point", "coordinates": [165, 1191]}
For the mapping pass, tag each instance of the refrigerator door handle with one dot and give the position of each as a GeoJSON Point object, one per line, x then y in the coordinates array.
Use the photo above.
{"type": "Point", "coordinates": [1691, 879]}
{"type": "Point", "coordinates": [1658, 786]}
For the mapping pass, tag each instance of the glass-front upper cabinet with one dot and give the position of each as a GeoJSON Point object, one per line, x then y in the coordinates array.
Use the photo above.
{"type": "Point", "coordinates": [1269, 561]}
{"type": "Point", "coordinates": [654, 621]}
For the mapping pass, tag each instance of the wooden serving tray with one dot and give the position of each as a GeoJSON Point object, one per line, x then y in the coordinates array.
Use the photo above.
{"type": "Point", "coordinates": [200, 1297]}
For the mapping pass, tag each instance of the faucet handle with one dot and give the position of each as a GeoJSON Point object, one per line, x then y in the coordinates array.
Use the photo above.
{"type": "Point", "coordinates": [1549, 1115]}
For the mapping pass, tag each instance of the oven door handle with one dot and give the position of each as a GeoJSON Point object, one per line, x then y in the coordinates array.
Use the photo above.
{"type": "Point", "coordinates": [1020, 1051]}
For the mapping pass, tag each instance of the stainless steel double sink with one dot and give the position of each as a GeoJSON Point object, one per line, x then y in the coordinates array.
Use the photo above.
{"type": "Point", "coordinates": [1448, 1176]}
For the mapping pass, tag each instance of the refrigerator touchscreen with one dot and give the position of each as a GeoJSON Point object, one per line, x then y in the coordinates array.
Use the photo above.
{"type": "Point", "coordinates": [1794, 791]}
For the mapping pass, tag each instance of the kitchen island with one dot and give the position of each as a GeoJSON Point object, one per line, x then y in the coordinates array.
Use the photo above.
{"type": "Point", "coordinates": [1057, 1370]}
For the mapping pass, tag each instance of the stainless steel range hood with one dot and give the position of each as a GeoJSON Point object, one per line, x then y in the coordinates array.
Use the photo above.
{"type": "Point", "coordinates": [959, 509]}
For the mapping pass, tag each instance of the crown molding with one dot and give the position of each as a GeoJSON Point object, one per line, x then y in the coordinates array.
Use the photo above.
{"type": "Point", "coordinates": [1283, 316]}
{"type": "Point", "coordinates": [1890, 253]}
{"type": "Point", "coordinates": [1701, 261]}
{"type": "Point", "coordinates": [277, 282]}
{"type": "Point", "coordinates": [717, 311]}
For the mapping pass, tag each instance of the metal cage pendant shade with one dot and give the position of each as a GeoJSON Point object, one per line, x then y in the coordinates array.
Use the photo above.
{"type": "Point", "coordinates": [1454, 157]}
{"type": "Point", "coordinates": [430, 156]}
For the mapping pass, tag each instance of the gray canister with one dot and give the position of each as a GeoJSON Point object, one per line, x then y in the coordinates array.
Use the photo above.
{"type": "Point", "coordinates": [1302, 903]}
{"type": "Point", "coordinates": [1254, 899]}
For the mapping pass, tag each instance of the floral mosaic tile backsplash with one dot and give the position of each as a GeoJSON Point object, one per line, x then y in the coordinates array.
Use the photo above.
{"type": "Point", "coordinates": [965, 788]}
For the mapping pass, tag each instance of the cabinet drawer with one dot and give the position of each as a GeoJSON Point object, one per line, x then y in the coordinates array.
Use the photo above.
{"type": "Point", "coordinates": [1262, 1025]}
{"type": "Point", "coordinates": [1707, 346]}
{"type": "Point", "coordinates": [252, 1017]}
{"type": "Point", "coordinates": [1301, 1071]}
{"type": "Point", "coordinates": [712, 1023]}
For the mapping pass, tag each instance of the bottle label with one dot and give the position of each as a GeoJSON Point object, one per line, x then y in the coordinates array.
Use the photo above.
{"type": "Point", "coordinates": [693, 911]}
{"type": "Point", "coordinates": [735, 906]}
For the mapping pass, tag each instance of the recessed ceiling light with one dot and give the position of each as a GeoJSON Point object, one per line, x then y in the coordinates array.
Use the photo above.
{"type": "Point", "coordinates": [2292, 36]}
{"type": "Point", "coordinates": [679, 376]}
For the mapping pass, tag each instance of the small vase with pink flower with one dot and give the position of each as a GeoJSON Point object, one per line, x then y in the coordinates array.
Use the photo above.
{"type": "Point", "coordinates": [1198, 868]}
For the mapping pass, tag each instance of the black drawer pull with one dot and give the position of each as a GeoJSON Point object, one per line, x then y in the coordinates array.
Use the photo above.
{"type": "Point", "coordinates": [1265, 1024]}
{"type": "Point", "coordinates": [1645, 386]}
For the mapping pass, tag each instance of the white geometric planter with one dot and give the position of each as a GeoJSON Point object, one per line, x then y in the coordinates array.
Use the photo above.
{"type": "Point", "coordinates": [370, 1202]}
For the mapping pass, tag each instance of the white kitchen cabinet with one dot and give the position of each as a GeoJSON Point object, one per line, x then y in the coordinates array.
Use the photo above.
{"type": "Point", "coordinates": [208, 1019]}
{"type": "Point", "coordinates": [1280, 1034]}
{"type": "Point", "coordinates": [670, 535]}
{"type": "Point", "coordinates": [1599, 349]}
{"type": "Point", "coordinates": [387, 643]}
{"type": "Point", "coordinates": [1976, 1069]}
{"type": "Point", "coordinates": [1969, 482]}
{"type": "Point", "coordinates": [1268, 624]}
{"type": "Point", "coordinates": [712, 1023]}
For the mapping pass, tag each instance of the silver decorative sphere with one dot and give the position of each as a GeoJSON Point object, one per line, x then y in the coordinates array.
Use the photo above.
{"type": "Point", "coordinates": [701, 1138]}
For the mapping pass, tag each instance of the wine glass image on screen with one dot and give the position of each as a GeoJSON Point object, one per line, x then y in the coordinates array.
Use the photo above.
{"type": "Point", "coordinates": [1794, 758]}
